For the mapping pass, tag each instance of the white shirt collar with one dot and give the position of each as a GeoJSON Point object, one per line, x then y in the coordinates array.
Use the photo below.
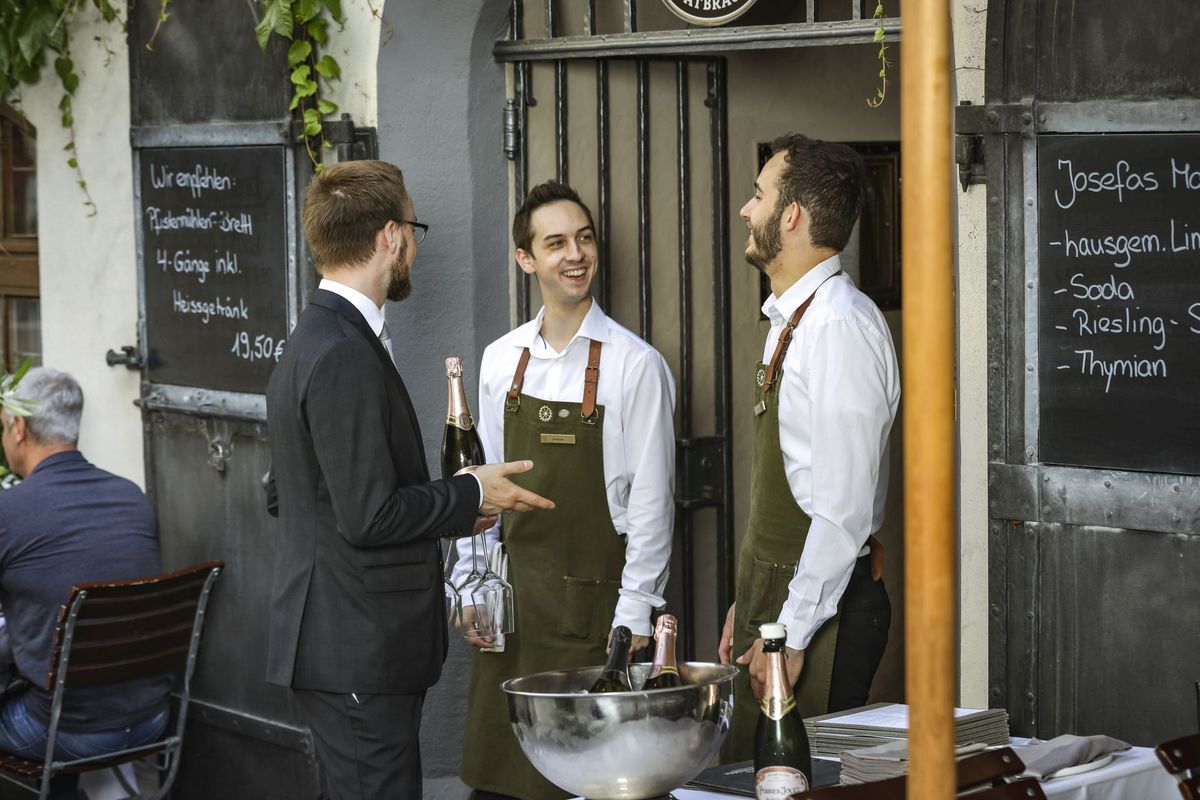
{"type": "Point", "coordinates": [372, 313]}
{"type": "Point", "coordinates": [595, 326]}
{"type": "Point", "coordinates": [780, 309]}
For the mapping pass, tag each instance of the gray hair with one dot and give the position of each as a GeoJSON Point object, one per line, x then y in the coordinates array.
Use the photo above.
{"type": "Point", "coordinates": [55, 402]}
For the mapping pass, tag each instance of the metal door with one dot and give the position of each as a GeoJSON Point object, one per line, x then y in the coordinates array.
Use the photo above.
{"type": "Point", "coordinates": [1095, 606]}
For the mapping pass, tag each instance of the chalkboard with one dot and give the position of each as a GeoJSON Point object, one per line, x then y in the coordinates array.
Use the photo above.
{"type": "Point", "coordinates": [214, 261]}
{"type": "Point", "coordinates": [1119, 301]}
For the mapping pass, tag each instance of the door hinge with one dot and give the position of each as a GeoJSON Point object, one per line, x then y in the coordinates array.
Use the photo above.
{"type": "Point", "coordinates": [512, 130]}
{"type": "Point", "coordinates": [969, 156]}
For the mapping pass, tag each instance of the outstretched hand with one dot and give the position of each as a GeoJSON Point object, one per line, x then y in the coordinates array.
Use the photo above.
{"type": "Point", "coordinates": [500, 495]}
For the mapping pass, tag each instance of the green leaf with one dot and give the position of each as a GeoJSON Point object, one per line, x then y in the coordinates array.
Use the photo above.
{"type": "Point", "coordinates": [69, 146]}
{"type": "Point", "coordinates": [328, 67]}
{"type": "Point", "coordinates": [67, 120]}
{"type": "Point", "coordinates": [35, 28]}
{"type": "Point", "coordinates": [63, 67]}
{"type": "Point", "coordinates": [335, 8]}
{"type": "Point", "coordinates": [306, 10]}
{"type": "Point", "coordinates": [71, 83]}
{"type": "Point", "coordinates": [277, 18]}
{"type": "Point", "coordinates": [298, 52]}
{"type": "Point", "coordinates": [73, 163]}
{"type": "Point", "coordinates": [65, 103]}
{"type": "Point", "coordinates": [307, 89]}
{"type": "Point", "coordinates": [327, 107]}
{"type": "Point", "coordinates": [878, 35]}
{"type": "Point", "coordinates": [300, 74]}
{"type": "Point", "coordinates": [318, 30]}
{"type": "Point", "coordinates": [295, 102]}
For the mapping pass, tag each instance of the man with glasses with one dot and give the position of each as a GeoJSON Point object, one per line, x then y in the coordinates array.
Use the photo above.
{"type": "Point", "coordinates": [357, 628]}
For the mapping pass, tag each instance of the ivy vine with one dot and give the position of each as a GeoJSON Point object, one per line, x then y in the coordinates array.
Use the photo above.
{"type": "Point", "coordinates": [306, 24]}
{"type": "Point", "coordinates": [32, 31]}
{"type": "Point", "coordinates": [881, 91]}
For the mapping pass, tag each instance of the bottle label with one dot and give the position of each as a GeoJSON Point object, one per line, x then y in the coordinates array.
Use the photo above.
{"type": "Point", "coordinates": [779, 783]}
{"type": "Point", "coordinates": [462, 421]}
{"type": "Point", "coordinates": [776, 709]}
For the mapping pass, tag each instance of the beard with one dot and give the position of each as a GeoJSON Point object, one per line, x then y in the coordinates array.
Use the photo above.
{"type": "Point", "coordinates": [399, 277]}
{"type": "Point", "coordinates": [768, 241]}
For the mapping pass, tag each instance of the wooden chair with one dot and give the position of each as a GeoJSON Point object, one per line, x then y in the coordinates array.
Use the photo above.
{"type": "Point", "coordinates": [985, 769]}
{"type": "Point", "coordinates": [1024, 789]}
{"type": "Point", "coordinates": [1181, 757]}
{"type": "Point", "coordinates": [108, 633]}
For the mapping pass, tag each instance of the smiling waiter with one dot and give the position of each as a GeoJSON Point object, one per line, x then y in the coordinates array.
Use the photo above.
{"type": "Point", "coordinates": [592, 404]}
{"type": "Point", "coordinates": [826, 395]}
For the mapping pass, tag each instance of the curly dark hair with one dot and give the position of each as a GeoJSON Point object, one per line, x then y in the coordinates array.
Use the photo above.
{"type": "Point", "coordinates": [826, 178]}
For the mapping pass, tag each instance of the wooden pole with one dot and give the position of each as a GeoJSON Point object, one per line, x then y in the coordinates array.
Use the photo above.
{"type": "Point", "coordinates": [928, 391]}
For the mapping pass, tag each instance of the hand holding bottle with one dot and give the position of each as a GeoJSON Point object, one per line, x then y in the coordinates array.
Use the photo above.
{"type": "Point", "coordinates": [725, 648]}
{"type": "Point", "coordinates": [757, 661]}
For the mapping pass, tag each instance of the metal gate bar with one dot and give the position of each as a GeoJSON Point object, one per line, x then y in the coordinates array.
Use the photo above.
{"type": "Point", "coordinates": [684, 520]}
{"type": "Point", "coordinates": [643, 182]}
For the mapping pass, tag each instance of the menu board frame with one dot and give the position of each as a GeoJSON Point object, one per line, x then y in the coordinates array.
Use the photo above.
{"type": "Point", "coordinates": [208, 388]}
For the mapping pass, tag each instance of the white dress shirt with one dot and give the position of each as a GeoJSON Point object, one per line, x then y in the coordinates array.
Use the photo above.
{"type": "Point", "coordinates": [837, 400]}
{"type": "Point", "coordinates": [638, 395]}
{"type": "Point", "coordinates": [372, 313]}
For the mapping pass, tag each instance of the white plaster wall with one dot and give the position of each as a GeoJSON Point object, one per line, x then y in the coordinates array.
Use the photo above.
{"type": "Point", "coordinates": [88, 263]}
{"type": "Point", "coordinates": [356, 46]}
{"type": "Point", "coordinates": [969, 19]}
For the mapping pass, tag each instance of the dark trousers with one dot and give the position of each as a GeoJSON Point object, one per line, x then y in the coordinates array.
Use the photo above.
{"type": "Point", "coordinates": [368, 744]}
{"type": "Point", "coordinates": [865, 615]}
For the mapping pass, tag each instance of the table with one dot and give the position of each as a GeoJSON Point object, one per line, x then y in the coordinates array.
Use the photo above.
{"type": "Point", "coordinates": [1133, 774]}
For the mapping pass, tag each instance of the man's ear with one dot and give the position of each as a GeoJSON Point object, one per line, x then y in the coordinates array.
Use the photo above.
{"type": "Point", "coordinates": [19, 429]}
{"type": "Point", "coordinates": [792, 217]}
{"type": "Point", "coordinates": [387, 237]}
{"type": "Point", "coordinates": [525, 261]}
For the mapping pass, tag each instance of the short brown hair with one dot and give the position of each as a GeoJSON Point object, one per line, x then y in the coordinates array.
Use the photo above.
{"type": "Point", "coordinates": [826, 178]}
{"type": "Point", "coordinates": [346, 206]}
{"type": "Point", "coordinates": [543, 195]}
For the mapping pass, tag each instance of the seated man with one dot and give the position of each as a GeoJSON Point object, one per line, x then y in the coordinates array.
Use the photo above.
{"type": "Point", "coordinates": [67, 523]}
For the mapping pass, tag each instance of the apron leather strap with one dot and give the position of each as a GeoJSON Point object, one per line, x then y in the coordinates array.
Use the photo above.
{"type": "Point", "coordinates": [785, 337]}
{"type": "Point", "coordinates": [513, 401]}
{"type": "Point", "coordinates": [591, 379]}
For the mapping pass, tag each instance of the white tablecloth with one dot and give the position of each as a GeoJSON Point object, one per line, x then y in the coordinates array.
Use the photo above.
{"type": "Point", "coordinates": [1133, 774]}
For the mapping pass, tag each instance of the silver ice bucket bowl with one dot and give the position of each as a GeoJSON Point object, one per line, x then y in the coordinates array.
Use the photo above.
{"type": "Point", "coordinates": [624, 745]}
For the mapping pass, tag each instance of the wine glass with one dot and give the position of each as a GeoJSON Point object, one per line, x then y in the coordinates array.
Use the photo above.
{"type": "Point", "coordinates": [492, 597]}
{"type": "Point", "coordinates": [467, 589]}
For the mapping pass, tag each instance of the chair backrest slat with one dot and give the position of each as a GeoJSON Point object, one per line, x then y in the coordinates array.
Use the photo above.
{"type": "Point", "coordinates": [114, 651]}
{"type": "Point", "coordinates": [974, 770]}
{"type": "Point", "coordinates": [115, 672]}
{"type": "Point", "coordinates": [1024, 789]}
{"type": "Point", "coordinates": [105, 629]}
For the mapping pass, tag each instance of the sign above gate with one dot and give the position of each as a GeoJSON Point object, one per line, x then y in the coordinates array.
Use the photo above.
{"type": "Point", "coordinates": [709, 12]}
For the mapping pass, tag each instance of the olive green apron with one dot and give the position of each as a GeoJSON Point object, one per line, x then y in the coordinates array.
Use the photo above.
{"type": "Point", "coordinates": [775, 537]}
{"type": "Point", "coordinates": [565, 567]}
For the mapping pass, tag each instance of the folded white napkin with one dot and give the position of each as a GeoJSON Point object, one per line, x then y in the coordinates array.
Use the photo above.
{"type": "Point", "coordinates": [1044, 758]}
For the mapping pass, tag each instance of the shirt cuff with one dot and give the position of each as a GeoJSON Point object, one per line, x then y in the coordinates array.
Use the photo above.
{"type": "Point", "coordinates": [633, 614]}
{"type": "Point", "coordinates": [479, 505]}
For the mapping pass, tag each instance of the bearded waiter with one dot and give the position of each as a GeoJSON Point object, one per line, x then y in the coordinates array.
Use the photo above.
{"type": "Point", "coordinates": [826, 395]}
{"type": "Point", "coordinates": [592, 404]}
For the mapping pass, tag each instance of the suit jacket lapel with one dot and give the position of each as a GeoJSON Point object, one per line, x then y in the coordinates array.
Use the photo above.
{"type": "Point", "coordinates": [337, 303]}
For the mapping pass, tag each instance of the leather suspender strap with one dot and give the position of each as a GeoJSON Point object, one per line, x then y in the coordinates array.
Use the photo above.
{"type": "Point", "coordinates": [591, 379]}
{"type": "Point", "coordinates": [785, 337]}
{"type": "Point", "coordinates": [514, 391]}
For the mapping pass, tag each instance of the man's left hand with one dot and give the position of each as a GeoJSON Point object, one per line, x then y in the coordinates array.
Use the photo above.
{"type": "Point", "coordinates": [757, 660]}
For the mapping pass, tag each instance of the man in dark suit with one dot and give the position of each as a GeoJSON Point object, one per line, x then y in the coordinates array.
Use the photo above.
{"type": "Point", "coordinates": [358, 626]}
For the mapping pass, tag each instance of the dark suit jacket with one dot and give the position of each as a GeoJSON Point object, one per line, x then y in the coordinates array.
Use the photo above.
{"type": "Point", "coordinates": [357, 600]}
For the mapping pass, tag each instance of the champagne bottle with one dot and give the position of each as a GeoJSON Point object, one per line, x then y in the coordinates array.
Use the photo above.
{"type": "Point", "coordinates": [460, 446]}
{"type": "Point", "coordinates": [782, 759]}
{"type": "Point", "coordinates": [615, 677]}
{"type": "Point", "coordinates": [663, 672]}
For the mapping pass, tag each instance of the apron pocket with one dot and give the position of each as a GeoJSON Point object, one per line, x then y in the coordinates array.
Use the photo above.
{"type": "Point", "coordinates": [768, 591]}
{"type": "Point", "coordinates": [584, 602]}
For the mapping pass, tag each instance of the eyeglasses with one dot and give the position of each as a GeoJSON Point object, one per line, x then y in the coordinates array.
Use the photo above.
{"type": "Point", "coordinates": [419, 229]}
